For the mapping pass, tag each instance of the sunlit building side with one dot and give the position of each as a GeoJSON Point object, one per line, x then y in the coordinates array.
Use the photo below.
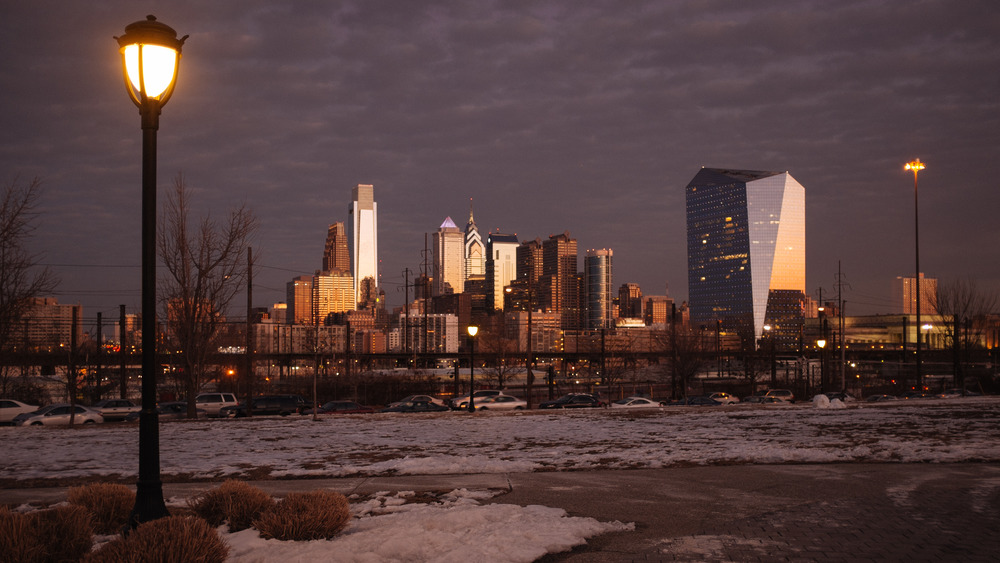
{"type": "Point", "coordinates": [746, 252]}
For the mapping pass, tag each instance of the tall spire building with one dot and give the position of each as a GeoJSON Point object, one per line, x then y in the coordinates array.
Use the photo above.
{"type": "Point", "coordinates": [475, 266]}
{"type": "Point", "coordinates": [746, 240]}
{"type": "Point", "coordinates": [363, 238]}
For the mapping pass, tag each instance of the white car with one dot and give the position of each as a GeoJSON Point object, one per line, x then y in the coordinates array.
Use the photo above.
{"type": "Point", "coordinates": [463, 402]}
{"type": "Point", "coordinates": [9, 408]}
{"type": "Point", "coordinates": [499, 402]}
{"type": "Point", "coordinates": [725, 398]}
{"type": "Point", "coordinates": [635, 403]}
{"type": "Point", "coordinates": [59, 415]}
{"type": "Point", "coordinates": [116, 409]}
{"type": "Point", "coordinates": [212, 403]}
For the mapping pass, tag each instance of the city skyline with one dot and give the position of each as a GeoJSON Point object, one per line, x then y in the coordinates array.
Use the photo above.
{"type": "Point", "coordinates": [552, 118]}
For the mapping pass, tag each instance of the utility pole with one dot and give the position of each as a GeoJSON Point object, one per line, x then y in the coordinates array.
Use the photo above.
{"type": "Point", "coordinates": [248, 342]}
{"type": "Point", "coordinates": [122, 346]}
{"type": "Point", "coordinates": [95, 394]}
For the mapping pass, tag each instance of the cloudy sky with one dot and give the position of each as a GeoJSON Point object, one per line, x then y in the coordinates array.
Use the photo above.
{"type": "Point", "coordinates": [586, 116]}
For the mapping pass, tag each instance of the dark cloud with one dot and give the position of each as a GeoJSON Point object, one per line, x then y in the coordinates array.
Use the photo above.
{"type": "Point", "coordinates": [587, 116]}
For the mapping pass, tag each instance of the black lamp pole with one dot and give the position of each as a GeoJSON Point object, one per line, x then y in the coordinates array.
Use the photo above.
{"type": "Point", "coordinates": [157, 38]}
{"type": "Point", "coordinates": [472, 367]}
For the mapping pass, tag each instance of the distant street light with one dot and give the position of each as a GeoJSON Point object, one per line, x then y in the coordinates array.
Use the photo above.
{"type": "Point", "coordinates": [150, 54]}
{"type": "Point", "coordinates": [473, 329]}
{"type": "Point", "coordinates": [916, 166]}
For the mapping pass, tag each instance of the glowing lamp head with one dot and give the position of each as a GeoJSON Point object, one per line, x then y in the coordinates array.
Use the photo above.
{"type": "Point", "coordinates": [151, 53]}
{"type": "Point", "coordinates": [915, 166]}
{"type": "Point", "coordinates": [821, 343]}
{"type": "Point", "coordinates": [473, 330]}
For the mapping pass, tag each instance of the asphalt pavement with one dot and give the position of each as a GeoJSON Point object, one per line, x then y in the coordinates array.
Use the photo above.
{"type": "Point", "coordinates": [837, 512]}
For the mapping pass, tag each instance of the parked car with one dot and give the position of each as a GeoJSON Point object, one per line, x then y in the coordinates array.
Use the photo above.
{"type": "Point", "coordinates": [783, 394]}
{"type": "Point", "coordinates": [116, 409]}
{"type": "Point", "coordinates": [880, 398]}
{"type": "Point", "coordinates": [573, 401]}
{"type": "Point", "coordinates": [840, 395]}
{"type": "Point", "coordinates": [341, 407]}
{"type": "Point", "coordinates": [500, 402]}
{"type": "Point", "coordinates": [635, 403]}
{"type": "Point", "coordinates": [171, 410]}
{"type": "Point", "coordinates": [724, 398]}
{"type": "Point", "coordinates": [59, 414]}
{"type": "Point", "coordinates": [457, 402]}
{"type": "Point", "coordinates": [695, 401]}
{"type": "Point", "coordinates": [420, 398]}
{"type": "Point", "coordinates": [9, 408]}
{"type": "Point", "coordinates": [420, 404]}
{"type": "Point", "coordinates": [762, 400]}
{"type": "Point", "coordinates": [267, 405]}
{"type": "Point", "coordinates": [212, 403]}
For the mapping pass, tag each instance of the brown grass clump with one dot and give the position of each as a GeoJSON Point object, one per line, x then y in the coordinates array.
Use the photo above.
{"type": "Point", "coordinates": [166, 540]}
{"type": "Point", "coordinates": [232, 501]}
{"type": "Point", "coordinates": [305, 516]}
{"type": "Point", "coordinates": [63, 533]}
{"type": "Point", "coordinates": [109, 504]}
{"type": "Point", "coordinates": [18, 541]}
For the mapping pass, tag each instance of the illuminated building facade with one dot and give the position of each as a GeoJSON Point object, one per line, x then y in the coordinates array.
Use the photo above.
{"type": "Point", "coordinates": [600, 304]}
{"type": "Point", "coordinates": [475, 264]}
{"type": "Point", "coordinates": [336, 257]}
{"type": "Point", "coordinates": [746, 235]}
{"type": "Point", "coordinates": [449, 259]}
{"type": "Point", "coordinates": [363, 239]}
{"type": "Point", "coordinates": [501, 267]}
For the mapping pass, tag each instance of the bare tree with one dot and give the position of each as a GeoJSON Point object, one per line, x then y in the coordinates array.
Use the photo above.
{"type": "Point", "coordinates": [501, 351]}
{"type": "Point", "coordinates": [967, 310]}
{"type": "Point", "coordinates": [205, 268]}
{"type": "Point", "coordinates": [21, 278]}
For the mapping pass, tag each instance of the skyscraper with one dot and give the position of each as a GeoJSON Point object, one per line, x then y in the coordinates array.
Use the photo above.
{"type": "Point", "coordinates": [449, 259]}
{"type": "Point", "coordinates": [746, 234]}
{"type": "Point", "coordinates": [475, 265]}
{"type": "Point", "coordinates": [501, 267]}
{"type": "Point", "coordinates": [904, 294]}
{"type": "Point", "coordinates": [335, 256]}
{"type": "Point", "coordinates": [600, 309]}
{"type": "Point", "coordinates": [333, 292]}
{"type": "Point", "coordinates": [560, 284]}
{"type": "Point", "coordinates": [363, 237]}
{"type": "Point", "coordinates": [299, 295]}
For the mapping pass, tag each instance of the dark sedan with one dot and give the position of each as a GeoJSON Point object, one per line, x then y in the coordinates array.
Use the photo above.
{"type": "Point", "coordinates": [697, 401]}
{"type": "Point", "coordinates": [341, 407]}
{"type": "Point", "coordinates": [573, 401]}
{"type": "Point", "coordinates": [416, 406]}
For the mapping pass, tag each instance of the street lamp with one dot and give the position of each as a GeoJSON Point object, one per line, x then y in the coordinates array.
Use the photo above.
{"type": "Point", "coordinates": [774, 366]}
{"type": "Point", "coordinates": [151, 53]}
{"type": "Point", "coordinates": [822, 363]}
{"type": "Point", "coordinates": [473, 329]}
{"type": "Point", "coordinates": [916, 166]}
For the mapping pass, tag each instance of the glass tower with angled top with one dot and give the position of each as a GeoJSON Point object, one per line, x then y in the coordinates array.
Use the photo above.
{"type": "Point", "coordinates": [746, 240]}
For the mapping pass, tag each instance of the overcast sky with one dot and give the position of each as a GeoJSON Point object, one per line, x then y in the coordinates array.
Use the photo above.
{"type": "Point", "coordinates": [586, 116]}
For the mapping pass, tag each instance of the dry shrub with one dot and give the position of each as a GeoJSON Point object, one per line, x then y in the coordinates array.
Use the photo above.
{"type": "Point", "coordinates": [58, 534]}
{"type": "Point", "coordinates": [109, 504]}
{"type": "Point", "coordinates": [18, 542]}
{"type": "Point", "coordinates": [232, 501]}
{"type": "Point", "coordinates": [305, 516]}
{"type": "Point", "coordinates": [166, 540]}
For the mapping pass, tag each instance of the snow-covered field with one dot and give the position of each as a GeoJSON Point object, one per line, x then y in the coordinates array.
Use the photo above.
{"type": "Point", "coordinates": [953, 430]}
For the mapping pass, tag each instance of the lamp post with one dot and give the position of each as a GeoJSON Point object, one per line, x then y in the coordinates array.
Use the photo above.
{"type": "Point", "coordinates": [916, 166]}
{"type": "Point", "coordinates": [151, 53]}
{"type": "Point", "coordinates": [473, 329]}
{"type": "Point", "coordinates": [774, 367]}
{"type": "Point", "coordinates": [822, 363]}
